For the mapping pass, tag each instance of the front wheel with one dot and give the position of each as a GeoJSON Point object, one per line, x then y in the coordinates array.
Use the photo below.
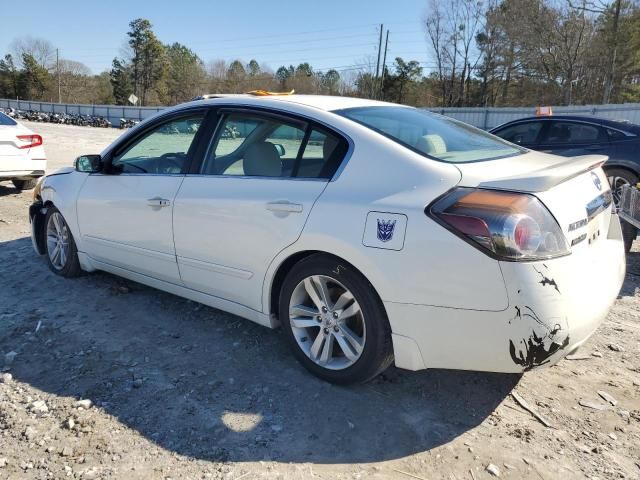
{"type": "Point", "coordinates": [334, 321]}
{"type": "Point", "coordinates": [62, 254]}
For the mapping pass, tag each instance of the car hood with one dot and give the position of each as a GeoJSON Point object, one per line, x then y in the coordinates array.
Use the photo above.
{"type": "Point", "coordinates": [529, 172]}
{"type": "Point", "coordinates": [62, 171]}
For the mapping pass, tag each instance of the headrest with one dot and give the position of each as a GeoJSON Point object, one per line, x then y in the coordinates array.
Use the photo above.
{"type": "Point", "coordinates": [262, 159]}
{"type": "Point", "coordinates": [432, 144]}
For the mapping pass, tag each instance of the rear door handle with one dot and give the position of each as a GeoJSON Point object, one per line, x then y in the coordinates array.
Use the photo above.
{"type": "Point", "coordinates": [158, 202]}
{"type": "Point", "coordinates": [284, 206]}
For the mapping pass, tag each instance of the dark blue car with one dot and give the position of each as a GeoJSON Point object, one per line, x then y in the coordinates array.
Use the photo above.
{"type": "Point", "coordinates": [577, 135]}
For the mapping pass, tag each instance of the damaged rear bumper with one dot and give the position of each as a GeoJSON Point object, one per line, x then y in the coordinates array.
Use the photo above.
{"type": "Point", "coordinates": [554, 307]}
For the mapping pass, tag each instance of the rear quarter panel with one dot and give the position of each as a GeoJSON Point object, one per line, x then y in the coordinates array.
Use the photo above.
{"type": "Point", "coordinates": [434, 267]}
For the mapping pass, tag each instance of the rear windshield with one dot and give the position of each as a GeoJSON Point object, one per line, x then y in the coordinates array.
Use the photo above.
{"type": "Point", "coordinates": [435, 136]}
{"type": "Point", "coordinates": [6, 120]}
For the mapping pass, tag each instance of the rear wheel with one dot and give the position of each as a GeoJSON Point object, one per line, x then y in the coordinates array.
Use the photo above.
{"type": "Point", "coordinates": [618, 178]}
{"type": "Point", "coordinates": [62, 254]}
{"type": "Point", "coordinates": [334, 321]}
{"type": "Point", "coordinates": [25, 184]}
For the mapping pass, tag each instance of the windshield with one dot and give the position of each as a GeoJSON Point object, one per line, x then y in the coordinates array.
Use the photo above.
{"type": "Point", "coordinates": [435, 136]}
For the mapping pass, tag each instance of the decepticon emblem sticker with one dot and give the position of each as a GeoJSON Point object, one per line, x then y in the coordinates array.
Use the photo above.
{"type": "Point", "coordinates": [385, 229]}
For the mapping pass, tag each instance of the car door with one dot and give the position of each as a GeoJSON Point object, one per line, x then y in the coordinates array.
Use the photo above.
{"type": "Point", "coordinates": [125, 213]}
{"type": "Point", "coordinates": [249, 200]}
{"type": "Point", "coordinates": [571, 138]}
{"type": "Point", "coordinates": [523, 133]}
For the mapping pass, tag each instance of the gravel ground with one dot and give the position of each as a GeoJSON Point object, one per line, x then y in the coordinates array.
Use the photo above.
{"type": "Point", "coordinates": [105, 378]}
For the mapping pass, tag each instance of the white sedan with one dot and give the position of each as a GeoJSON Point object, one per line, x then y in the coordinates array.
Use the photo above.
{"type": "Point", "coordinates": [22, 157]}
{"type": "Point", "coordinates": [370, 232]}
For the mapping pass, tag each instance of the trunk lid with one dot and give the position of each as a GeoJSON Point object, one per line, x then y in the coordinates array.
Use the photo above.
{"type": "Point", "coordinates": [575, 190]}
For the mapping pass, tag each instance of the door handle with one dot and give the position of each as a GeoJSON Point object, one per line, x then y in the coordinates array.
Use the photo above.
{"type": "Point", "coordinates": [158, 202]}
{"type": "Point", "coordinates": [284, 206]}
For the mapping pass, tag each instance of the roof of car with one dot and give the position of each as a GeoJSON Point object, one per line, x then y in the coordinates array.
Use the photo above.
{"type": "Point", "coordinates": [620, 124]}
{"type": "Point", "coordinates": [322, 102]}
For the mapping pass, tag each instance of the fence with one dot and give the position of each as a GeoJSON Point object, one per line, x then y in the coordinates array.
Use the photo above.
{"type": "Point", "coordinates": [488, 118]}
{"type": "Point", "coordinates": [485, 118]}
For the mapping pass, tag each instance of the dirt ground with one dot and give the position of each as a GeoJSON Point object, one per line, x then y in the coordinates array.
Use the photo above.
{"type": "Point", "coordinates": [178, 390]}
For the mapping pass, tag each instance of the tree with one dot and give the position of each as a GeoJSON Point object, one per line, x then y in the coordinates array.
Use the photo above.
{"type": "Point", "coordinates": [120, 78]}
{"type": "Point", "coordinates": [253, 67]}
{"type": "Point", "coordinates": [236, 76]}
{"type": "Point", "coordinates": [42, 51]}
{"type": "Point", "coordinates": [148, 60]}
{"type": "Point", "coordinates": [283, 74]}
{"type": "Point", "coordinates": [35, 78]}
{"type": "Point", "coordinates": [185, 76]}
{"type": "Point", "coordinates": [406, 73]}
{"type": "Point", "coordinates": [9, 78]}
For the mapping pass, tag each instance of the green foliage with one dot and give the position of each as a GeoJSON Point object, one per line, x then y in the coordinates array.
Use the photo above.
{"type": "Point", "coordinates": [120, 78]}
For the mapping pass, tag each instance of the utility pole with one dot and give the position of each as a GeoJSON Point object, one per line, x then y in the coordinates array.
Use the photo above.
{"type": "Point", "coordinates": [375, 79]}
{"type": "Point", "coordinates": [384, 63]}
{"type": "Point", "coordinates": [58, 73]}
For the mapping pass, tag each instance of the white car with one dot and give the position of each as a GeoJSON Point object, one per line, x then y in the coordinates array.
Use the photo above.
{"type": "Point", "coordinates": [370, 232]}
{"type": "Point", "coordinates": [22, 157]}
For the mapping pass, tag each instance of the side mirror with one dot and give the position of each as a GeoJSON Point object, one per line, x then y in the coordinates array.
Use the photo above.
{"type": "Point", "coordinates": [89, 163]}
{"type": "Point", "coordinates": [280, 149]}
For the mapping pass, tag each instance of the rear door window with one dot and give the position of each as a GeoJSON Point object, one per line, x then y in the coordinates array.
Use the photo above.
{"type": "Point", "coordinates": [251, 144]}
{"type": "Point", "coordinates": [571, 133]}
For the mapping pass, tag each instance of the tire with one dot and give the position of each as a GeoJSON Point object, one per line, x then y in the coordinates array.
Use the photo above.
{"type": "Point", "coordinates": [617, 178]}
{"type": "Point", "coordinates": [25, 184]}
{"type": "Point", "coordinates": [65, 263]}
{"type": "Point", "coordinates": [359, 344]}
{"type": "Point", "coordinates": [629, 234]}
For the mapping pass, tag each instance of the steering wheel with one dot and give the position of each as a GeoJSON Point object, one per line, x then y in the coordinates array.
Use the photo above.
{"type": "Point", "coordinates": [176, 159]}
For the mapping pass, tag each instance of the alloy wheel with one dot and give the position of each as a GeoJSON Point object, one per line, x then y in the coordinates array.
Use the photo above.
{"type": "Point", "coordinates": [327, 322]}
{"type": "Point", "coordinates": [58, 241]}
{"type": "Point", "coordinates": [616, 183]}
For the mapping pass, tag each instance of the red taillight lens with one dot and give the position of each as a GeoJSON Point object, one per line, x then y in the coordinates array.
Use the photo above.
{"type": "Point", "coordinates": [512, 226]}
{"type": "Point", "coordinates": [29, 141]}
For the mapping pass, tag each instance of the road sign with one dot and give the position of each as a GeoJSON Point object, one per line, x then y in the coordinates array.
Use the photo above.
{"type": "Point", "coordinates": [133, 99]}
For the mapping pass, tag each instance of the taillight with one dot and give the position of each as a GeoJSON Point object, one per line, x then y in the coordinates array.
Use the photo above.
{"type": "Point", "coordinates": [29, 141]}
{"type": "Point", "coordinates": [508, 225]}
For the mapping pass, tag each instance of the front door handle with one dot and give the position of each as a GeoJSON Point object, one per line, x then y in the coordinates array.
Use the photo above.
{"type": "Point", "coordinates": [158, 202]}
{"type": "Point", "coordinates": [284, 206]}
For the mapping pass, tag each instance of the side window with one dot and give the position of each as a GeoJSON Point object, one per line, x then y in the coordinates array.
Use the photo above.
{"type": "Point", "coordinates": [572, 132]}
{"type": "Point", "coordinates": [163, 150]}
{"type": "Point", "coordinates": [252, 145]}
{"type": "Point", "coordinates": [288, 140]}
{"type": "Point", "coordinates": [521, 133]}
{"type": "Point", "coordinates": [322, 155]}
{"type": "Point", "coordinates": [615, 134]}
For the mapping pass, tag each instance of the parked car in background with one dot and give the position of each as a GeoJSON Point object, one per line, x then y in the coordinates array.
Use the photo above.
{"type": "Point", "coordinates": [571, 136]}
{"type": "Point", "coordinates": [369, 231]}
{"type": "Point", "coordinates": [22, 157]}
